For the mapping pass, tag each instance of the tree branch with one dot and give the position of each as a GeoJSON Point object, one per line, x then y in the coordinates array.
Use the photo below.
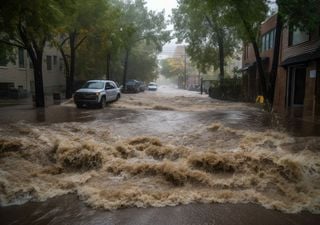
{"type": "Point", "coordinates": [64, 41]}
{"type": "Point", "coordinates": [80, 42]}
{"type": "Point", "coordinates": [210, 22]}
{"type": "Point", "coordinates": [12, 44]}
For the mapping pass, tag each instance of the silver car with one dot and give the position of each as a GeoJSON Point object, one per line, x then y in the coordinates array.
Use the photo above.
{"type": "Point", "coordinates": [97, 92]}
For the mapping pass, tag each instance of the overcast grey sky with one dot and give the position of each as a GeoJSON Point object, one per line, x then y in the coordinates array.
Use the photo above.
{"type": "Point", "coordinates": [159, 5]}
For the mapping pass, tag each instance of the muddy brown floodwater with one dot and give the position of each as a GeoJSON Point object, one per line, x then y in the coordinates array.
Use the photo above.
{"type": "Point", "coordinates": [165, 157]}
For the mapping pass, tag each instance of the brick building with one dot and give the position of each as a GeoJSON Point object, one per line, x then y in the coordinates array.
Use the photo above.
{"type": "Point", "coordinates": [298, 71]}
{"type": "Point", "coordinates": [251, 82]}
{"type": "Point", "coordinates": [296, 86]}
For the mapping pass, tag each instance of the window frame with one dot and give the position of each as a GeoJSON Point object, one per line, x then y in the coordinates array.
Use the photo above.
{"type": "Point", "coordinates": [290, 36]}
{"type": "Point", "coordinates": [21, 58]}
{"type": "Point", "coordinates": [49, 62]}
{"type": "Point", "coordinates": [268, 40]}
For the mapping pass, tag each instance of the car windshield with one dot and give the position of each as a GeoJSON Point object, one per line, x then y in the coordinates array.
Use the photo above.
{"type": "Point", "coordinates": [131, 82]}
{"type": "Point", "coordinates": [152, 84]}
{"type": "Point", "coordinates": [94, 85]}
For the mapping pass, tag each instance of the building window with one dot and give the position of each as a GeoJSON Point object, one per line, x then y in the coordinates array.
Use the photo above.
{"type": "Point", "coordinates": [297, 36]}
{"type": "Point", "coordinates": [49, 62]}
{"type": "Point", "coordinates": [21, 58]}
{"type": "Point", "coordinates": [55, 60]}
{"type": "Point", "coordinates": [267, 40]}
{"type": "Point", "coordinates": [30, 63]}
{"type": "Point", "coordinates": [61, 64]}
{"type": "Point", "coordinates": [3, 57]}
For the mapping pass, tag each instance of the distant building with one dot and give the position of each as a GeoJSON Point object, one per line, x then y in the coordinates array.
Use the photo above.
{"type": "Point", "coordinates": [191, 79]}
{"type": "Point", "coordinates": [18, 75]}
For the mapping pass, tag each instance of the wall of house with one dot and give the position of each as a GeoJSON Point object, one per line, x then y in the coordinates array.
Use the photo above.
{"type": "Point", "coordinates": [287, 52]}
{"type": "Point", "coordinates": [53, 80]}
{"type": "Point", "coordinates": [248, 59]}
{"type": "Point", "coordinates": [279, 101]}
{"type": "Point", "coordinates": [309, 99]}
{"type": "Point", "coordinates": [267, 26]}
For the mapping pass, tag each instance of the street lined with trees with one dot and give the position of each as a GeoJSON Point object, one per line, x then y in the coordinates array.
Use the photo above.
{"type": "Point", "coordinates": [94, 37]}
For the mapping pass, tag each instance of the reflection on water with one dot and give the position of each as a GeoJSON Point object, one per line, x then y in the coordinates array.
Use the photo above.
{"type": "Point", "coordinates": [40, 115]}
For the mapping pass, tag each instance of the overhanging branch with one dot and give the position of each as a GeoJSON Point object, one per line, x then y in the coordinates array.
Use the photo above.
{"type": "Point", "coordinates": [80, 42]}
{"type": "Point", "coordinates": [11, 43]}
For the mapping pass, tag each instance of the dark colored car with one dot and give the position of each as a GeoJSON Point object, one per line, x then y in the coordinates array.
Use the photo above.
{"type": "Point", "coordinates": [135, 86]}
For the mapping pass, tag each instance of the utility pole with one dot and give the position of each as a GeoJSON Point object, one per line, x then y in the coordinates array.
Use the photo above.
{"type": "Point", "coordinates": [185, 68]}
{"type": "Point", "coordinates": [185, 71]}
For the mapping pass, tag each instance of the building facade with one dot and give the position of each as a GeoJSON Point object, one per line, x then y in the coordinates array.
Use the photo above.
{"type": "Point", "coordinates": [297, 86]}
{"type": "Point", "coordinates": [16, 75]}
{"type": "Point", "coordinates": [251, 83]}
{"type": "Point", "coordinates": [298, 72]}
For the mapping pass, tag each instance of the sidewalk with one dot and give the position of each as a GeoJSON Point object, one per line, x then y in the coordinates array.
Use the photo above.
{"type": "Point", "coordinates": [49, 101]}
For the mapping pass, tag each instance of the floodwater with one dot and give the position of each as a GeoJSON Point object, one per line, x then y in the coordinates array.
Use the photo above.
{"type": "Point", "coordinates": [151, 151]}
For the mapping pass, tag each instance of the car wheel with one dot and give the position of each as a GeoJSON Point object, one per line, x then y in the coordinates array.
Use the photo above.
{"type": "Point", "coordinates": [102, 103]}
{"type": "Point", "coordinates": [118, 97]}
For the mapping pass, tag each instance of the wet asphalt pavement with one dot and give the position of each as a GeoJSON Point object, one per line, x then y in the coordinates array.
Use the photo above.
{"type": "Point", "coordinates": [68, 210]}
{"type": "Point", "coordinates": [147, 121]}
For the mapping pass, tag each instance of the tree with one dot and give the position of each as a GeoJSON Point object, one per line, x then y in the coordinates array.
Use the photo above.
{"type": "Point", "coordinates": [138, 24]}
{"type": "Point", "coordinates": [80, 20]}
{"type": "Point", "coordinates": [144, 63]}
{"type": "Point", "coordinates": [303, 14]}
{"type": "Point", "coordinates": [174, 68]}
{"type": "Point", "coordinates": [29, 24]}
{"type": "Point", "coordinates": [204, 28]}
{"type": "Point", "coordinates": [245, 16]}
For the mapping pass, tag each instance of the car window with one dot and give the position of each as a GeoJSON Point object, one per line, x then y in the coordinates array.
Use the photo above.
{"type": "Point", "coordinates": [109, 86]}
{"type": "Point", "coordinates": [93, 85]}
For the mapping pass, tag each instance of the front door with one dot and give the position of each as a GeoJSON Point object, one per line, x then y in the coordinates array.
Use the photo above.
{"type": "Point", "coordinates": [296, 89]}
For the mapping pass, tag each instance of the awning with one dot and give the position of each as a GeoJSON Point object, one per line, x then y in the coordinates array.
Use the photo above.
{"type": "Point", "coordinates": [247, 66]}
{"type": "Point", "coordinates": [303, 58]}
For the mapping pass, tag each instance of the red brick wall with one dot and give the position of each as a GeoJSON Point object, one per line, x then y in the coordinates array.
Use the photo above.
{"type": "Point", "coordinates": [279, 103]}
{"type": "Point", "coordinates": [310, 91]}
{"type": "Point", "coordinates": [249, 58]}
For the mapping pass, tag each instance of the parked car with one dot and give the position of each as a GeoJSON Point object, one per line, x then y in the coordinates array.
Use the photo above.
{"type": "Point", "coordinates": [97, 92]}
{"type": "Point", "coordinates": [135, 86]}
{"type": "Point", "coordinates": [132, 86]}
{"type": "Point", "coordinates": [142, 86]}
{"type": "Point", "coordinates": [152, 86]}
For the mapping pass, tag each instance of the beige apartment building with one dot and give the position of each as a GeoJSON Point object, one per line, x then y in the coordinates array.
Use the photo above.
{"type": "Point", "coordinates": [16, 76]}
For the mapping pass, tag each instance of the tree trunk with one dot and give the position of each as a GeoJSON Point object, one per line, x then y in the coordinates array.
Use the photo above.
{"type": "Point", "coordinates": [108, 76]}
{"type": "Point", "coordinates": [125, 69]}
{"type": "Point", "coordinates": [70, 78]}
{"type": "Point", "coordinates": [275, 62]}
{"type": "Point", "coordinates": [261, 73]}
{"type": "Point", "coordinates": [317, 91]}
{"type": "Point", "coordinates": [36, 58]}
{"type": "Point", "coordinates": [262, 79]}
{"type": "Point", "coordinates": [185, 70]}
{"type": "Point", "coordinates": [221, 57]}
{"type": "Point", "coordinates": [66, 67]}
{"type": "Point", "coordinates": [38, 80]}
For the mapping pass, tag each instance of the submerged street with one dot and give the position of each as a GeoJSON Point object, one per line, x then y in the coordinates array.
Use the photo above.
{"type": "Point", "coordinates": [164, 157]}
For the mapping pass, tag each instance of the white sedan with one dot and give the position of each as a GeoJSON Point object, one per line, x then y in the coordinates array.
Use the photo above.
{"type": "Point", "coordinates": [152, 86]}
